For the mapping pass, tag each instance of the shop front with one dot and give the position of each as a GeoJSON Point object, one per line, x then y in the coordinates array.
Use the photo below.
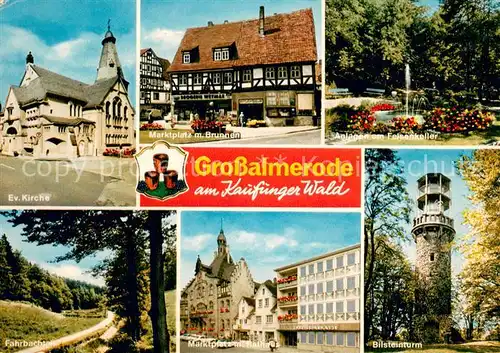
{"type": "Point", "coordinates": [189, 106]}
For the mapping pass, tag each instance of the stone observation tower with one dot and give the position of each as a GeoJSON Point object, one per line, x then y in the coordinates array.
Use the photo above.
{"type": "Point", "coordinates": [433, 231]}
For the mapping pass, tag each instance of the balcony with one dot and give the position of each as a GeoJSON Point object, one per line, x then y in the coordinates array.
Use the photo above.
{"type": "Point", "coordinates": [433, 219]}
{"type": "Point", "coordinates": [434, 189]}
{"type": "Point", "coordinates": [285, 285]}
{"type": "Point", "coordinates": [287, 301]}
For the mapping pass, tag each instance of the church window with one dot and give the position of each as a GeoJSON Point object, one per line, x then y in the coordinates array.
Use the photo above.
{"type": "Point", "coordinates": [432, 256]}
{"type": "Point", "coordinates": [125, 111]}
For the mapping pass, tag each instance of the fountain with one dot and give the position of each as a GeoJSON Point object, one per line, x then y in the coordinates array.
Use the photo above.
{"type": "Point", "coordinates": [417, 103]}
{"type": "Point", "coordinates": [407, 84]}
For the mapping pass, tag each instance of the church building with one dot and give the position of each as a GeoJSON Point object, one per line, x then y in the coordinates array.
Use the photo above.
{"type": "Point", "coordinates": [52, 116]}
{"type": "Point", "coordinates": [209, 303]}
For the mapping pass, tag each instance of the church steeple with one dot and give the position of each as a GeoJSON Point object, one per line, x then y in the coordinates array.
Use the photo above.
{"type": "Point", "coordinates": [109, 64]}
{"type": "Point", "coordinates": [221, 241]}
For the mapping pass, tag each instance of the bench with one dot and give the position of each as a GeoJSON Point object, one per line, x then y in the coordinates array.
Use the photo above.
{"type": "Point", "coordinates": [375, 91]}
{"type": "Point", "coordinates": [338, 92]}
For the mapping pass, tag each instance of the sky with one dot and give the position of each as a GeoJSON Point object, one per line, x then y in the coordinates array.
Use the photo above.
{"type": "Point", "coordinates": [266, 240]}
{"type": "Point", "coordinates": [64, 36]}
{"type": "Point", "coordinates": [163, 22]}
{"type": "Point", "coordinates": [45, 255]}
{"type": "Point", "coordinates": [418, 162]}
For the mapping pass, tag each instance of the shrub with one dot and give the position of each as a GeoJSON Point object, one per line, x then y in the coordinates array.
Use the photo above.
{"type": "Point", "coordinates": [458, 120]}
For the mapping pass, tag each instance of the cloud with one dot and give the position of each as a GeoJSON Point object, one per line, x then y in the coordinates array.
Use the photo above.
{"type": "Point", "coordinates": [164, 41]}
{"type": "Point", "coordinates": [196, 243]}
{"type": "Point", "coordinates": [73, 272]}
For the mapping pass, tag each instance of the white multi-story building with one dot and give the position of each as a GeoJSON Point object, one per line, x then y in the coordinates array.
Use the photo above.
{"type": "Point", "coordinates": [319, 302]}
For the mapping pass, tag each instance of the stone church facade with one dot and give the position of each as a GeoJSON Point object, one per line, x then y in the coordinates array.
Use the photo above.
{"type": "Point", "coordinates": [52, 116]}
{"type": "Point", "coordinates": [209, 303]}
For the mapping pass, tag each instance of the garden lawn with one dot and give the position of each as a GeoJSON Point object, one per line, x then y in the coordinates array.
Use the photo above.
{"type": "Point", "coordinates": [151, 136]}
{"type": "Point", "coordinates": [24, 322]}
{"type": "Point", "coordinates": [472, 347]}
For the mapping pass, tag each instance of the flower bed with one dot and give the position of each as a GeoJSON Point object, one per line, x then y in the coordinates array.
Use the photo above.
{"type": "Point", "coordinates": [456, 120]}
{"type": "Point", "coordinates": [287, 317]}
{"type": "Point", "coordinates": [362, 121]}
{"type": "Point", "coordinates": [151, 126]}
{"type": "Point", "coordinates": [405, 124]}
{"type": "Point", "coordinates": [202, 126]}
{"type": "Point", "coordinates": [287, 279]}
{"type": "Point", "coordinates": [382, 107]}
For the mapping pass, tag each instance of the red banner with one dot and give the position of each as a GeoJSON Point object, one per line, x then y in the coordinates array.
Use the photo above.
{"type": "Point", "coordinates": [250, 177]}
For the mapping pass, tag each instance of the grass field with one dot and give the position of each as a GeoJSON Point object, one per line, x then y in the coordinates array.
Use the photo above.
{"type": "Point", "coordinates": [23, 322]}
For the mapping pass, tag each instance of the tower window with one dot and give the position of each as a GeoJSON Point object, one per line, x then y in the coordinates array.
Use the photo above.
{"type": "Point", "coordinates": [432, 256]}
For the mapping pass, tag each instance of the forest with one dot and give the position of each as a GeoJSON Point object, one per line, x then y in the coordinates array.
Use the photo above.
{"type": "Point", "coordinates": [454, 47]}
{"type": "Point", "coordinates": [140, 268]}
{"type": "Point", "coordinates": [397, 306]}
{"type": "Point", "coordinates": [25, 281]}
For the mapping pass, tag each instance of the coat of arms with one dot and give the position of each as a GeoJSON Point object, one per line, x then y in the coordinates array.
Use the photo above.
{"type": "Point", "coordinates": [162, 171]}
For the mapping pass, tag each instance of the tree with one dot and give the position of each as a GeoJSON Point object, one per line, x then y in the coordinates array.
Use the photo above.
{"type": "Point", "coordinates": [480, 275]}
{"type": "Point", "coordinates": [391, 299]}
{"type": "Point", "coordinates": [126, 234]}
{"type": "Point", "coordinates": [387, 210]}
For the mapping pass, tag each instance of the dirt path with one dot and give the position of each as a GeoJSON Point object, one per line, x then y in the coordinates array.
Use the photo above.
{"type": "Point", "coordinates": [73, 338]}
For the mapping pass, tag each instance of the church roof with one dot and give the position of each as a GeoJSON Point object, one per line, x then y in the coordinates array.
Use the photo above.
{"type": "Point", "coordinates": [51, 83]}
{"type": "Point", "coordinates": [56, 120]}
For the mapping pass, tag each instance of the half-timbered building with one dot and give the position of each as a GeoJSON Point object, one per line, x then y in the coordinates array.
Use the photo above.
{"type": "Point", "coordinates": [154, 86]}
{"type": "Point", "coordinates": [263, 68]}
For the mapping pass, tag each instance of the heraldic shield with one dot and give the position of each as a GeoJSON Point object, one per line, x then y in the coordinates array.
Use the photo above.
{"type": "Point", "coordinates": [162, 171]}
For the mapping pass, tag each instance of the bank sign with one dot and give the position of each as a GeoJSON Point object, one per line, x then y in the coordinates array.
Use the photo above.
{"type": "Point", "coordinates": [251, 177]}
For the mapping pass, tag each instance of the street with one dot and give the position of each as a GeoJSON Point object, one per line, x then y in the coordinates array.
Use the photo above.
{"type": "Point", "coordinates": [297, 138]}
{"type": "Point", "coordinates": [83, 182]}
{"type": "Point", "coordinates": [185, 349]}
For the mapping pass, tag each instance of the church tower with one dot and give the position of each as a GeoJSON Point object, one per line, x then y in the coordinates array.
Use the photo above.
{"type": "Point", "coordinates": [222, 247]}
{"type": "Point", "coordinates": [109, 64]}
{"type": "Point", "coordinates": [433, 231]}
